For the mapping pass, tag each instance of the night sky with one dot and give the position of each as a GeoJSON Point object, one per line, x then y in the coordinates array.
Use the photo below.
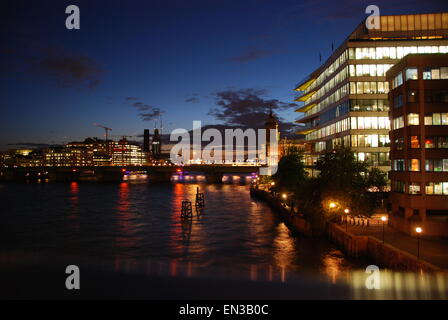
{"type": "Point", "coordinates": [222, 62]}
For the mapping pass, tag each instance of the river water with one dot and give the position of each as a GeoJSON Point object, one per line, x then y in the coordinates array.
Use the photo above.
{"type": "Point", "coordinates": [135, 226]}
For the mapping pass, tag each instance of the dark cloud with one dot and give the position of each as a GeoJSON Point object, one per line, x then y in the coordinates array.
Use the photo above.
{"type": "Point", "coordinates": [248, 108]}
{"type": "Point", "coordinates": [154, 114]}
{"type": "Point", "coordinates": [192, 100]}
{"type": "Point", "coordinates": [147, 111]}
{"type": "Point", "coordinates": [66, 69]}
{"type": "Point", "coordinates": [252, 53]}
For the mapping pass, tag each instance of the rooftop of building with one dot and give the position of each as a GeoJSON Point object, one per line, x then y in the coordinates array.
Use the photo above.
{"type": "Point", "coordinates": [424, 26]}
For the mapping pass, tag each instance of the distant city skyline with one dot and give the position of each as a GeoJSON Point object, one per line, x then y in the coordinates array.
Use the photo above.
{"type": "Point", "coordinates": [133, 61]}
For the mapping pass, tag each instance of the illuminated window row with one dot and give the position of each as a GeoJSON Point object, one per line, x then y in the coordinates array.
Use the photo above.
{"type": "Point", "coordinates": [370, 140]}
{"type": "Point", "coordinates": [436, 119]}
{"type": "Point", "coordinates": [436, 165]}
{"type": "Point", "coordinates": [369, 87]}
{"type": "Point", "coordinates": [399, 165]}
{"type": "Point", "coordinates": [392, 52]}
{"type": "Point", "coordinates": [337, 127]}
{"type": "Point", "coordinates": [436, 142]}
{"type": "Point", "coordinates": [435, 73]}
{"type": "Point", "coordinates": [436, 188]}
{"type": "Point", "coordinates": [336, 96]}
{"type": "Point", "coordinates": [334, 81]}
{"type": "Point", "coordinates": [369, 105]}
{"type": "Point", "coordinates": [330, 115]}
{"type": "Point", "coordinates": [373, 158]}
{"type": "Point", "coordinates": [369, 70]}
{"type": "Point", "coordinates": [357, 123]}
{"type": "Point", "coordinates": [369, 123]}
{"type": "Point", "coordinates": [328, 71]}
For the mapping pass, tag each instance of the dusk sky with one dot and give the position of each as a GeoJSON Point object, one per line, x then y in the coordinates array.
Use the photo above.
{"type": "Point", "coordinates": [188, 60]}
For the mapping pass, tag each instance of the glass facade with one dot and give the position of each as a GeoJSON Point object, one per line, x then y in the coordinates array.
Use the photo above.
{"type": "Point", "coordinates": [349, 93]}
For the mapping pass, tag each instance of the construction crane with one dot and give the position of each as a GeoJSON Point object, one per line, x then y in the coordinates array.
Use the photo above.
{"type": "Point", "coordinates": [107, 134]}
{"type": "Point", "coordinates": [105, 129]}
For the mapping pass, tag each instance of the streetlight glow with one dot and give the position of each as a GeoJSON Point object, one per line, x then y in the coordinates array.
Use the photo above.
{"type": "Point", "coordinates": [418, 230]}
{"type": "Point", "coordinates": [383, 218]}
{"type": "Point", "coordinates": [284, 196]}
{"type": "Point", "coordinates": [272, 183]}
{"type": "Point", "coordinates": [346, 210]}
{"type": "Point", "coordinates": [332, 205]}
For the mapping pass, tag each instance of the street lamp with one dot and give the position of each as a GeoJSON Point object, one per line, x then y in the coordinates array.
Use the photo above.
{"type": "Point", "coordinates": [346, 211]}
{"type": "Point", "coordinates": [384, 219]}
{"type": "Point", "coordinates": [418, 230]}
{"type": "Point", "coordinates": [284, 196]}
{"type": "Point", "coordinates": [272, 183]}
{"type": "Point", "coordinates": [332, 205]}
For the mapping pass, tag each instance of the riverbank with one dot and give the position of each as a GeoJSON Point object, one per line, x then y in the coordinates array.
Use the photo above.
{"type": "Point", "coordinates": [354, 244]}
{"type": "Point", "coordinates": [292, 220]}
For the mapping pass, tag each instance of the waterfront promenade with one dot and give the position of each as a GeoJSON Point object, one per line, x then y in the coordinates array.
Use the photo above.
{"type": "Point", "coordinates": [434, 251]}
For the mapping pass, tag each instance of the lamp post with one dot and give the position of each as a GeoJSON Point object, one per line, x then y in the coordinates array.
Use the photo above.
{"type": "Point", "coordinates": [418, 230]}
{"type": "Point", "coordinates": [346, 211]}
{"type": "Point", "coordinates": [384, 219]}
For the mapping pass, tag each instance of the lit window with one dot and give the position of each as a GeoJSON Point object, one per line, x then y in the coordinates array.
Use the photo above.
{"type": "Point", "coordinates": [413, 119]}
{"type": "Point", "coordinates": [411, 74]}
{"type": "Point", "coordinates": [415, 143]}
{"type": "Point", "coordinates": [429, 143]}
{"type": "Point", "coordinates": [414, 165]}
{"type": "Point", "coordinates": [414, 188]}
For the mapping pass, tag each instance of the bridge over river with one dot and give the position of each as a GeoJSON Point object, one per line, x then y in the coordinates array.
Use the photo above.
{"type": "Point", "coordinates": [213, 173]}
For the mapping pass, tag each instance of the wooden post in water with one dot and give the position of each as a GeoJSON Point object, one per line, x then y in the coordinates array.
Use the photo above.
{"type": "Point", "coordinates": [200, 202]}
{"type": "Point", "coordinates": [186, 211]}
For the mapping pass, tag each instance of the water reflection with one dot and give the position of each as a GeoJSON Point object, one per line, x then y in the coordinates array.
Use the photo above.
{"type": "Point", "coordinates": [332, 264]}
{"type": "Point", "coordinates": [285, 250]}
{"type": "Point", "coordinates": [74, 205]}
{"type": "Point", "coordinates": [126, 222]}
{"type": "Point", "coordinates": [137, 226]}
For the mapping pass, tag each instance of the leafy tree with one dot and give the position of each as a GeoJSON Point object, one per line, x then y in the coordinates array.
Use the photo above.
{"type": "Point", "coordinates": [291, 171]}
{"type": "Point", "coordinates": [348, 181]}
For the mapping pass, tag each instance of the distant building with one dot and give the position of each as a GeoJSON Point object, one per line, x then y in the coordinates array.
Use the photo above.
{"type": "Point", "coordinates": [419, 143]}
{"type": "Point", "coordinates": [68, 156]}
{"type": "Point", "coordinates": [146, 142]}
{"type": "Point", "coordinates": [124, 153]}
{"type": "Point", "coordinates": [272, 153]}
{"type": "Point", "coordinates": [156, 144]}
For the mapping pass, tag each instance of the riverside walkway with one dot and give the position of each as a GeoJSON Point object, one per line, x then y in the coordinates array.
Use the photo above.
{"type": "Point", "coordinates": [432, 251]}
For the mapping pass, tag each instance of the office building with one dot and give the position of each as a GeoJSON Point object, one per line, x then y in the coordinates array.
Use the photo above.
{"type": "Point", "coordinates": [345, 100]}
{"type": "Point", "coordinates": [419, 143]}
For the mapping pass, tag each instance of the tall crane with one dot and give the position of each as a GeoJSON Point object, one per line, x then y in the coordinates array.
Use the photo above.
{"type": "Point", "coordinates": [107, 134]}
{"type": "Point", "coordinates": [105, 129]}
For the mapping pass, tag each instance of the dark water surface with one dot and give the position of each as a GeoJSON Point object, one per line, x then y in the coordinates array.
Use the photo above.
{"type": "Point", "coordinates": [136, 226]}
